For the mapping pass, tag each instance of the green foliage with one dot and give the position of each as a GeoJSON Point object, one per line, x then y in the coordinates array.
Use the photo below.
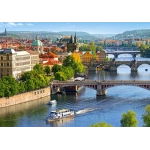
{"type": "Point", "coordinates": [129, 119]}
{"type": "Point", "coordinates": [78, 67]}
{"type": "Point", "coordinates": [101, 124]}
{"type": "Point", "coordinates": [68, 72]}
{"type": "Point", "coordinates": [30, 80]}
{"type": "Point", "coordinates": [47, 70]}
{"type": "Point", "coordinates": [60, 76]}
{"type": "Point", "coordinates": [68, 69]}
{"type": "Point", "coordinates": [68, 61]}
{"type": "Point", "coordinates": [84, 47]}
{"type": "Point", "coordinates": [146, 116]}
{"type": "Point", "coordinates": [11, 86]}
{"type": "Point", "coordinates": [56, 68]}
{"type": "Point", "coordinates": [38, 68]}
{"type": "Point", "coordinates": [92, 48]}
{"type": "Point", "coordinates": [99, 48]}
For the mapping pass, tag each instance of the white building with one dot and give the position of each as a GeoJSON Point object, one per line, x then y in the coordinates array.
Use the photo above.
{"type": "Point", "coordinates": [16, 62]}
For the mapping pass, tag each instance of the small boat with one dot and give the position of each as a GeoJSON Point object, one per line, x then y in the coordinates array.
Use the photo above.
{"type": "Point", "coordinates": [52, 102]}
{"type": "Point", "coordinates": [146, 69]}
{"type": "Point", "coordinates": [60, 114]}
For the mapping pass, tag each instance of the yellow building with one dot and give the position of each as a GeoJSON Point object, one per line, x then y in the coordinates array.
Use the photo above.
{"type": "Point", "coordinates": [87, 57]}
{"type": "Point", "coordinates": [101, 55]}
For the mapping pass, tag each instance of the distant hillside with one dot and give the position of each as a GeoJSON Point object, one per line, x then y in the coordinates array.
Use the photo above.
{"type": "Point", "coordinates": [80, 35]}
{"type": "Point", "coordinates": [142, 33]}
{"type": "Point", "coordinates": [52, 35]}
{"type": "Point", "coordinates": [101, 36]}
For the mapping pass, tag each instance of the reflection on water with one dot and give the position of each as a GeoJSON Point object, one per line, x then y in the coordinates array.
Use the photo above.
{"type": "Point", "coordinates": [61, 122]}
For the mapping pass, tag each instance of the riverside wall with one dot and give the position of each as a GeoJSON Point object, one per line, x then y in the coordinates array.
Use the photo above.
{"type": "Point", "coordinates": [24, 97]}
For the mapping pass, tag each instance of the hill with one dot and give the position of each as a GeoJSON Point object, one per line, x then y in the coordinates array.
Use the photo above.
{"type": "Point", "coordinates": [141, 33]}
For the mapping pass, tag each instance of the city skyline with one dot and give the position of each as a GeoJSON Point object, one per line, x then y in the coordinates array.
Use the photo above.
{"type": "Point", "coordinates": [89, 27]}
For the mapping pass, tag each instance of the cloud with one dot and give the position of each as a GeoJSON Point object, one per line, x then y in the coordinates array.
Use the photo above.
{"type": "Point", "coordinates": [29, 24]}
{"type": "Point", "coordinates": [19, 24]}
{"type": "Point", "coordinates": [10, 24]}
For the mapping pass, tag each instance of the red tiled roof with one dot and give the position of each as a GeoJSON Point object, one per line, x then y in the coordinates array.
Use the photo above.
{"type": "Point", "coordinates": [53, 62]}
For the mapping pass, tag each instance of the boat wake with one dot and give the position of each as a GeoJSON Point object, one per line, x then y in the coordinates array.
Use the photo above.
{"type": "Point", "coordinates": [85, 110]}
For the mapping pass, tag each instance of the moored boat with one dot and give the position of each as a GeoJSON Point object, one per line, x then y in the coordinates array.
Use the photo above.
{"type": "Point", "coordinates": [52, 102]}
{"type": "Point", "coordinates": [60, 114]}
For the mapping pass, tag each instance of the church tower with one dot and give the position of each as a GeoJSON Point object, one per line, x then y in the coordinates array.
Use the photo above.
{"type": "Point", "coordinates": [72, 45]}
{"type": "Point", "coordinates": [5, 32]}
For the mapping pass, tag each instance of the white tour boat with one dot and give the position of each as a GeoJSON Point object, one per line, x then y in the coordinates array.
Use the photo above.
{"type": "Point", "coordinates": [59, 114]}
{"type": "Point", "coordinates": [52, 102]}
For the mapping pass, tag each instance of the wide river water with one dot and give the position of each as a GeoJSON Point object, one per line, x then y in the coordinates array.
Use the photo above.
{"type": "Point", "coordinates": [90, 108]}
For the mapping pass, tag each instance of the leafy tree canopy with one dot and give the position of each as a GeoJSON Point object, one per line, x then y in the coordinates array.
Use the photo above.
{"type": "Point", "coordinates": [101, 124]}
{"type": "Point", "coordinates": [129, 119]}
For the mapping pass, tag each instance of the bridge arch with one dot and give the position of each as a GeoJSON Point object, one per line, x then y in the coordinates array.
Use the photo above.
{"type": "Point", "coordinates": [147, 87]}
{"type": "Point", "coordinates": [143, 67]}
{"type": "Point", "coordinates": [126, 55]}
{"type": "Point", "coordinates": [123, 66]}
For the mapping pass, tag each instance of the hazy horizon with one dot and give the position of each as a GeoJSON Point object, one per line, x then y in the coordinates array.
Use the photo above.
{"type": "Point", "coordinates": [89, 27]}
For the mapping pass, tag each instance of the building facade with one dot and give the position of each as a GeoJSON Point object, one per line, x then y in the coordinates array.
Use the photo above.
{"type": "Point", "coordinates": [14, 63]}
{"type": "Point", "coordinates": [72, 45]}
{"type": "Point", "coordinates": [87, 57]}
{"type": "Point", "coordinates": [101, 55]}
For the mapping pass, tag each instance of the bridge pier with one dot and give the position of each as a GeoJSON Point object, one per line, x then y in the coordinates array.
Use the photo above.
{"type": "Point", "coordinates": [113, 68]}
{"type": "Point", "coordinates": [133, 69]}
{"type": "Point", "coordinates": [100, 91]}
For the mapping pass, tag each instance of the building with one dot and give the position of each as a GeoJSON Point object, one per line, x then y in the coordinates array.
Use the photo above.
{"type": "Point", "coordinates": [44, 58]}
{"type": "Point", "coordinates": [87, 57]}
{"type": "Point", "coordinates": [101, 55]}
{"type": "Point", "coordinates": [34, 56]}
{"type": "Point", "coordinates": [37, 46]}
{"type": "Point", "coordinates": [14, 63]}
{"type": "Point", "coordinates": [72, 45]}
{"type": "Point", "coordinates": [51, 63]}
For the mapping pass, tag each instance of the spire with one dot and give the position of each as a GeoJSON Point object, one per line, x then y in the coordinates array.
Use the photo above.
{"type": "Point", "coordinates": [75, 38]}
{"type": "Point", "coordinates": [71, 40]}
{"type": "Point", "coordinates": [36, 37]}
{"type": "Point", "coordinates": [5, 32]}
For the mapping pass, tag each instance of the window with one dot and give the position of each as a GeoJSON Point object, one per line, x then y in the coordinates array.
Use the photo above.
{"type": "Point", "coordinates": [1, 64]}
{"type": "Point", "coordinates": [1, 57]}
{"type": "Point", "coordinates": [7, 57]}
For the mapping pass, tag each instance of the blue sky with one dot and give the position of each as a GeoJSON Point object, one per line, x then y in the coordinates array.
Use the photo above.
{"type": "Point", "coordinates": [90, 27]}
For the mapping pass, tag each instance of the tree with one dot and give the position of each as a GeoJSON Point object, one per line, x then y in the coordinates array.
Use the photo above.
{"type": "Point", "coordinates": [38, 68]}
{"type": "Point", "coordinates": [60, 76]}
{"type": "Point", "coordinates": [68, 71]}
{"type": "Point", "coordinates": [129, 119]}
{"type": "Point", "coordinates": [47, 70]}
{"type": "Point", "coordinates": [101, 124]}
{"type": "Point", "coordinates": [78, 67]}
{"type": "Point", "coordinates": [146, 116]}
{"type": "Point", "coordinates": [92, 48]}
{"type": "Point", "coordinates": [56, 68]}
{"type": "Point", "coordinates": [68, 61]}
{"type": "Point", "coordinates": [99, 48]}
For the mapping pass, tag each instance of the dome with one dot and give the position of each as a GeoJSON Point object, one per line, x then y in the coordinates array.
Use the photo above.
{"type": "Point", "coordinates": [37, 43]}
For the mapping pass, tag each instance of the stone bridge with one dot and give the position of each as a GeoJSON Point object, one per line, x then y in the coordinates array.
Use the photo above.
{"type": "Point", "coordinates": [113, 65]}
{"type": "Point", "coordinates": [117, 53]}
{"type": "Point", "coordinates": [101, 86]}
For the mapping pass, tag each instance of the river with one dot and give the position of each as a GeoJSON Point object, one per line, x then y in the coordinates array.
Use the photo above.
{"type": "Point", "coordinates": [89, 107]}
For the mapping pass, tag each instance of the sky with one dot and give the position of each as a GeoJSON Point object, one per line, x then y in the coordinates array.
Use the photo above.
{"type": "Point", "coordinates": [90, 27]}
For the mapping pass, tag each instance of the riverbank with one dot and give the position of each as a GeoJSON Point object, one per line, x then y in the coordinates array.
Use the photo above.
{"type": "Point", "coordinates": [24, 97]}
